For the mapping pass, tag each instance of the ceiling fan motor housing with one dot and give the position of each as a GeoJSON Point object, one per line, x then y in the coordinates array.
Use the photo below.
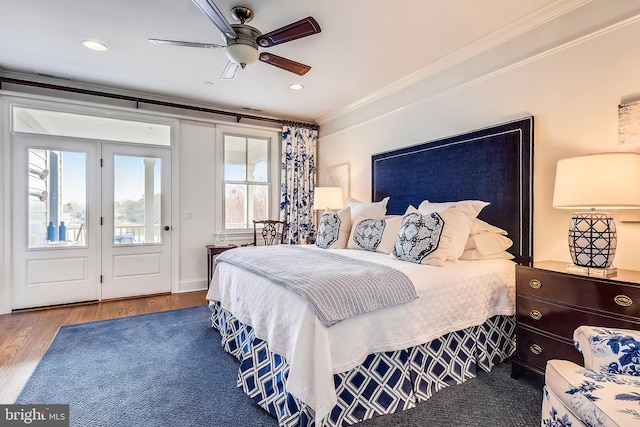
{"type": "Point", "coordinates": [243, 49]}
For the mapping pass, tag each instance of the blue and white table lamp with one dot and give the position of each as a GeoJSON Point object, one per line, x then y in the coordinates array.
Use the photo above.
{"type": "Point", "coordinates": [596, 182]}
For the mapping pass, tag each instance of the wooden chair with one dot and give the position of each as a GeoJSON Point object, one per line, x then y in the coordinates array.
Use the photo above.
{"type": "Point", "coordinates": [271, 231]}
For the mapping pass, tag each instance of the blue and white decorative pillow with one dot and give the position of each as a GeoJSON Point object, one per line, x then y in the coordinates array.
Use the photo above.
{"type": "Point", "coordinates": [367, 233]}
{"type": "Point", "coordinates": [333, 229]}
{"type": "Point", "coordinates": [374, 234]}
{"type": "Point", "coordinates": [425, 238]}
{"type": "Point", "coordinates": [465, 210]}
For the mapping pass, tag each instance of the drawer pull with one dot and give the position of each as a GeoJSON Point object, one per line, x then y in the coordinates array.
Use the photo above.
{"type": "Point", "coordinates": [535, 315]}
{"type": "Point", "coordinates": [535, 349]}
{"type": "Point", "coordinates": [623, 300]}
{"type": "Point", "coordinates": [535, 283]}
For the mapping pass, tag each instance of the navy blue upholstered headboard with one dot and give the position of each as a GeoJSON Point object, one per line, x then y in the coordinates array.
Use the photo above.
{"type": "Point", "coordinates": [493, 164]}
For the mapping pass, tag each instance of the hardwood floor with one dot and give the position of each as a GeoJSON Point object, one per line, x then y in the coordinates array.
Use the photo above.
{"type": "Point", "coordinates": [25, 335]}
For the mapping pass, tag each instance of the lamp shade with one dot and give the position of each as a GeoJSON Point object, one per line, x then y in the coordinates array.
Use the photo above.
{"type": "Point", "coordinates": [328, 198]}
{"type": "Point", "coordinates": [603, 180]}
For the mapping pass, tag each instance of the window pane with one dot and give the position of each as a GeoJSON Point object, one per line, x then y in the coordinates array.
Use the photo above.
{"type": "Point", "coordinates": [31, 120]}
{"type": "Point", "coordinates": [257, 160]}
{"type": "Point", "coordinates": [57, 198]}
{"type": "Point", "coordinates": [137, 189]}
{"type": "Point", "coordinates": [235, 206]}
{"type": "Point", "coordinates": [258, 202]}
{"type": "Point", "coordinates": [235, 158]}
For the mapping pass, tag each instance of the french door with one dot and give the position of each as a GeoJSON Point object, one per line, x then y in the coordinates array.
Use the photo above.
{"type": "Point", "coordinates": [136, 231]}
{"type": "Point", "coordinates": [55, 220]}
{"type": "Point", "coordinates": [88, 220]}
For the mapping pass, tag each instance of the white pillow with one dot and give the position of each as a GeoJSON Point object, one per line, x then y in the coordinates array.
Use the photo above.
{"type": "Point", "coordinates": [488, 243]}
{"type": "Point", "coordinates": [425, 239]}
{"type": "Point", "coordinates": [374, 234]}
{"type": "Point", "coordinates": [470, 208]}
{"type": "Point", "coordinates": [480, 226]}
{"type": "Point", "coordinates": [333, 229]}
{"type": "Point", "coordinates": [460, 235]}
{"type": "Point", "coordinates": [375, 210]}
{"type": "Point", "coordinates": [461, 229]}
{"type": "Point", "coordinates": [473, 254]}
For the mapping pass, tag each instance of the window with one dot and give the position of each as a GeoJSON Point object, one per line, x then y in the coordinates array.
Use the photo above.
{"type": "Point", "coordinates": [76, 125]}
{"type": "Point", "coordinates": [137, 196]}
{"type": "Point", "coordinates": [246, 181]}
{"type": "Point", "coordinates": [57, 198]}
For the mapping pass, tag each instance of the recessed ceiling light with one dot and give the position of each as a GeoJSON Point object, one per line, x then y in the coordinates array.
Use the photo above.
{"type": "Point", "coordinates": [94, 45]}
{"type": "Point", "coordinates": [209, 83]}
{"type": "Point", "coordinates": [296, 86]}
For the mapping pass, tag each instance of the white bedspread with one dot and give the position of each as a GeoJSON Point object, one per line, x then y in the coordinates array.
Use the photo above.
{"type": "Point", "coordinates": [450, 298]}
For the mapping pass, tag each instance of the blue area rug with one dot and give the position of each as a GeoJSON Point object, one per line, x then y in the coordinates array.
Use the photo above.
{"type": "Point", "coordinates": [169, 369]}
{"type": "Point", "coordinates": [160, 369]}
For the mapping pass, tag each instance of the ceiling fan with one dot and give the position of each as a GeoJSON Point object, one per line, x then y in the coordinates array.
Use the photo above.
{"type": "Point", "coordinates": [242, 41]}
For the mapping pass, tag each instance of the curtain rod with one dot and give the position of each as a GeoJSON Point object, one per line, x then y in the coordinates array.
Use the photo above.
{"type": "Point", "coordinates": [137, 100]}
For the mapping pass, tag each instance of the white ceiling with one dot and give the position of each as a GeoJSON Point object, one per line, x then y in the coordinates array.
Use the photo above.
{"type": "Point", "coordinates": [364, 46]}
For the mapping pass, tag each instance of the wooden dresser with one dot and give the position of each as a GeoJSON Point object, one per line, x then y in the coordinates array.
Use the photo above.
{"type": "Point", "coordinates": [551, 304]}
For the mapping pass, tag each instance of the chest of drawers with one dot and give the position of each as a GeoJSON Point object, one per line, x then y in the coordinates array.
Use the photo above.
{"type": "Point", "coordinates": [551, 304]}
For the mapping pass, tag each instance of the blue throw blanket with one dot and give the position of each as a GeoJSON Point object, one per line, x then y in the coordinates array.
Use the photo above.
{"type": "Point", "coordinates": [337, 287]}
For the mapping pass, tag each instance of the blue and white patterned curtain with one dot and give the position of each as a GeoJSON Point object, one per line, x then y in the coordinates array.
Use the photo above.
{"type": "Point", "coordinates": [297, 181]}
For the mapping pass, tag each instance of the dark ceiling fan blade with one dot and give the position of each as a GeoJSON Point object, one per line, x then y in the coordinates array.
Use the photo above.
{"type": "Point", "coordinates": [185, 43]}
{"type": "Point", "coordinates": [284, 63]}
{"type": "Point", "coordinates": [302, 28]}
{"type": "Point", "coordinates": [211, 10]}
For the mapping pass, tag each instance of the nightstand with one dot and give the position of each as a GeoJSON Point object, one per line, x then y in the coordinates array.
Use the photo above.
{"type": "Point", "coordinates": [212, 252]}
{"type": "Point", "coordinates": [551, 303]}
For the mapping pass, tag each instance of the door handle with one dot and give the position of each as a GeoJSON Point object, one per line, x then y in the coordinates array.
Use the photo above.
{"type": "Point", "coordinates": [167, 228]}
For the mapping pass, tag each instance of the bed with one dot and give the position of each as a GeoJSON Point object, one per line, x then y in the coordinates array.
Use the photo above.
{"type": "Point", "coordinates": [306, 372]}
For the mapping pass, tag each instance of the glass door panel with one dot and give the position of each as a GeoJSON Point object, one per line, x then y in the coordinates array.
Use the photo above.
{"type": "Point", "coordinates": [137, 200]}
{"type": "Point", "coordinates": [57, 198]}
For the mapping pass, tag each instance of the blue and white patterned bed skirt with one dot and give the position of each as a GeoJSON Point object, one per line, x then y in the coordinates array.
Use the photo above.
{"type": "Point", "coordinates": [385, 383]}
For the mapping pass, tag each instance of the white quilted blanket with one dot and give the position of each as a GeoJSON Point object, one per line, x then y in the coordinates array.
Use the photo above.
{"type": "Point", "coordinates": [348, 288]}
{"type": "Point", "coordinates": [451, 298]}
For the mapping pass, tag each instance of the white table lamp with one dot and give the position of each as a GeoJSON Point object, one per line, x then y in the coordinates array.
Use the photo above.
{"type": "Point", "coordinates": [328, 198]}
{"type": "Point", "coordinates": [595, 182]}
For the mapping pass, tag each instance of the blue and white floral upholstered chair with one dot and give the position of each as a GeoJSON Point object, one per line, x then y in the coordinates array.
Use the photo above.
{"type": "Point", "coordinates": [606, 392]}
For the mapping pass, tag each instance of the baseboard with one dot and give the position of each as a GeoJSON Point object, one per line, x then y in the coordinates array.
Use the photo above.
{"type": "Point", "coordinates": [192, 285]}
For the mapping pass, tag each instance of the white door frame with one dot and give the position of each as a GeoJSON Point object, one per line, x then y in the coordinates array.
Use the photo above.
{"type": "Point", "coordinates": [100, 270]}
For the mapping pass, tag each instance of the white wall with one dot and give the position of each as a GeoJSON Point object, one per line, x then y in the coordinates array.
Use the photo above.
{"type": "Point", "coordinates": [573, 92]}
{"type": "Point", "coordinates": [199, 195]}
{"type": "Point", "coordinates": [197, 145]}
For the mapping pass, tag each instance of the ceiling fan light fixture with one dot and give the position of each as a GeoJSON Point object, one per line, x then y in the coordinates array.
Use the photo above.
{"type": "Point", "coordinates": [243, 50]}
{"type": "Point", "coordinates": [242, 54]}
